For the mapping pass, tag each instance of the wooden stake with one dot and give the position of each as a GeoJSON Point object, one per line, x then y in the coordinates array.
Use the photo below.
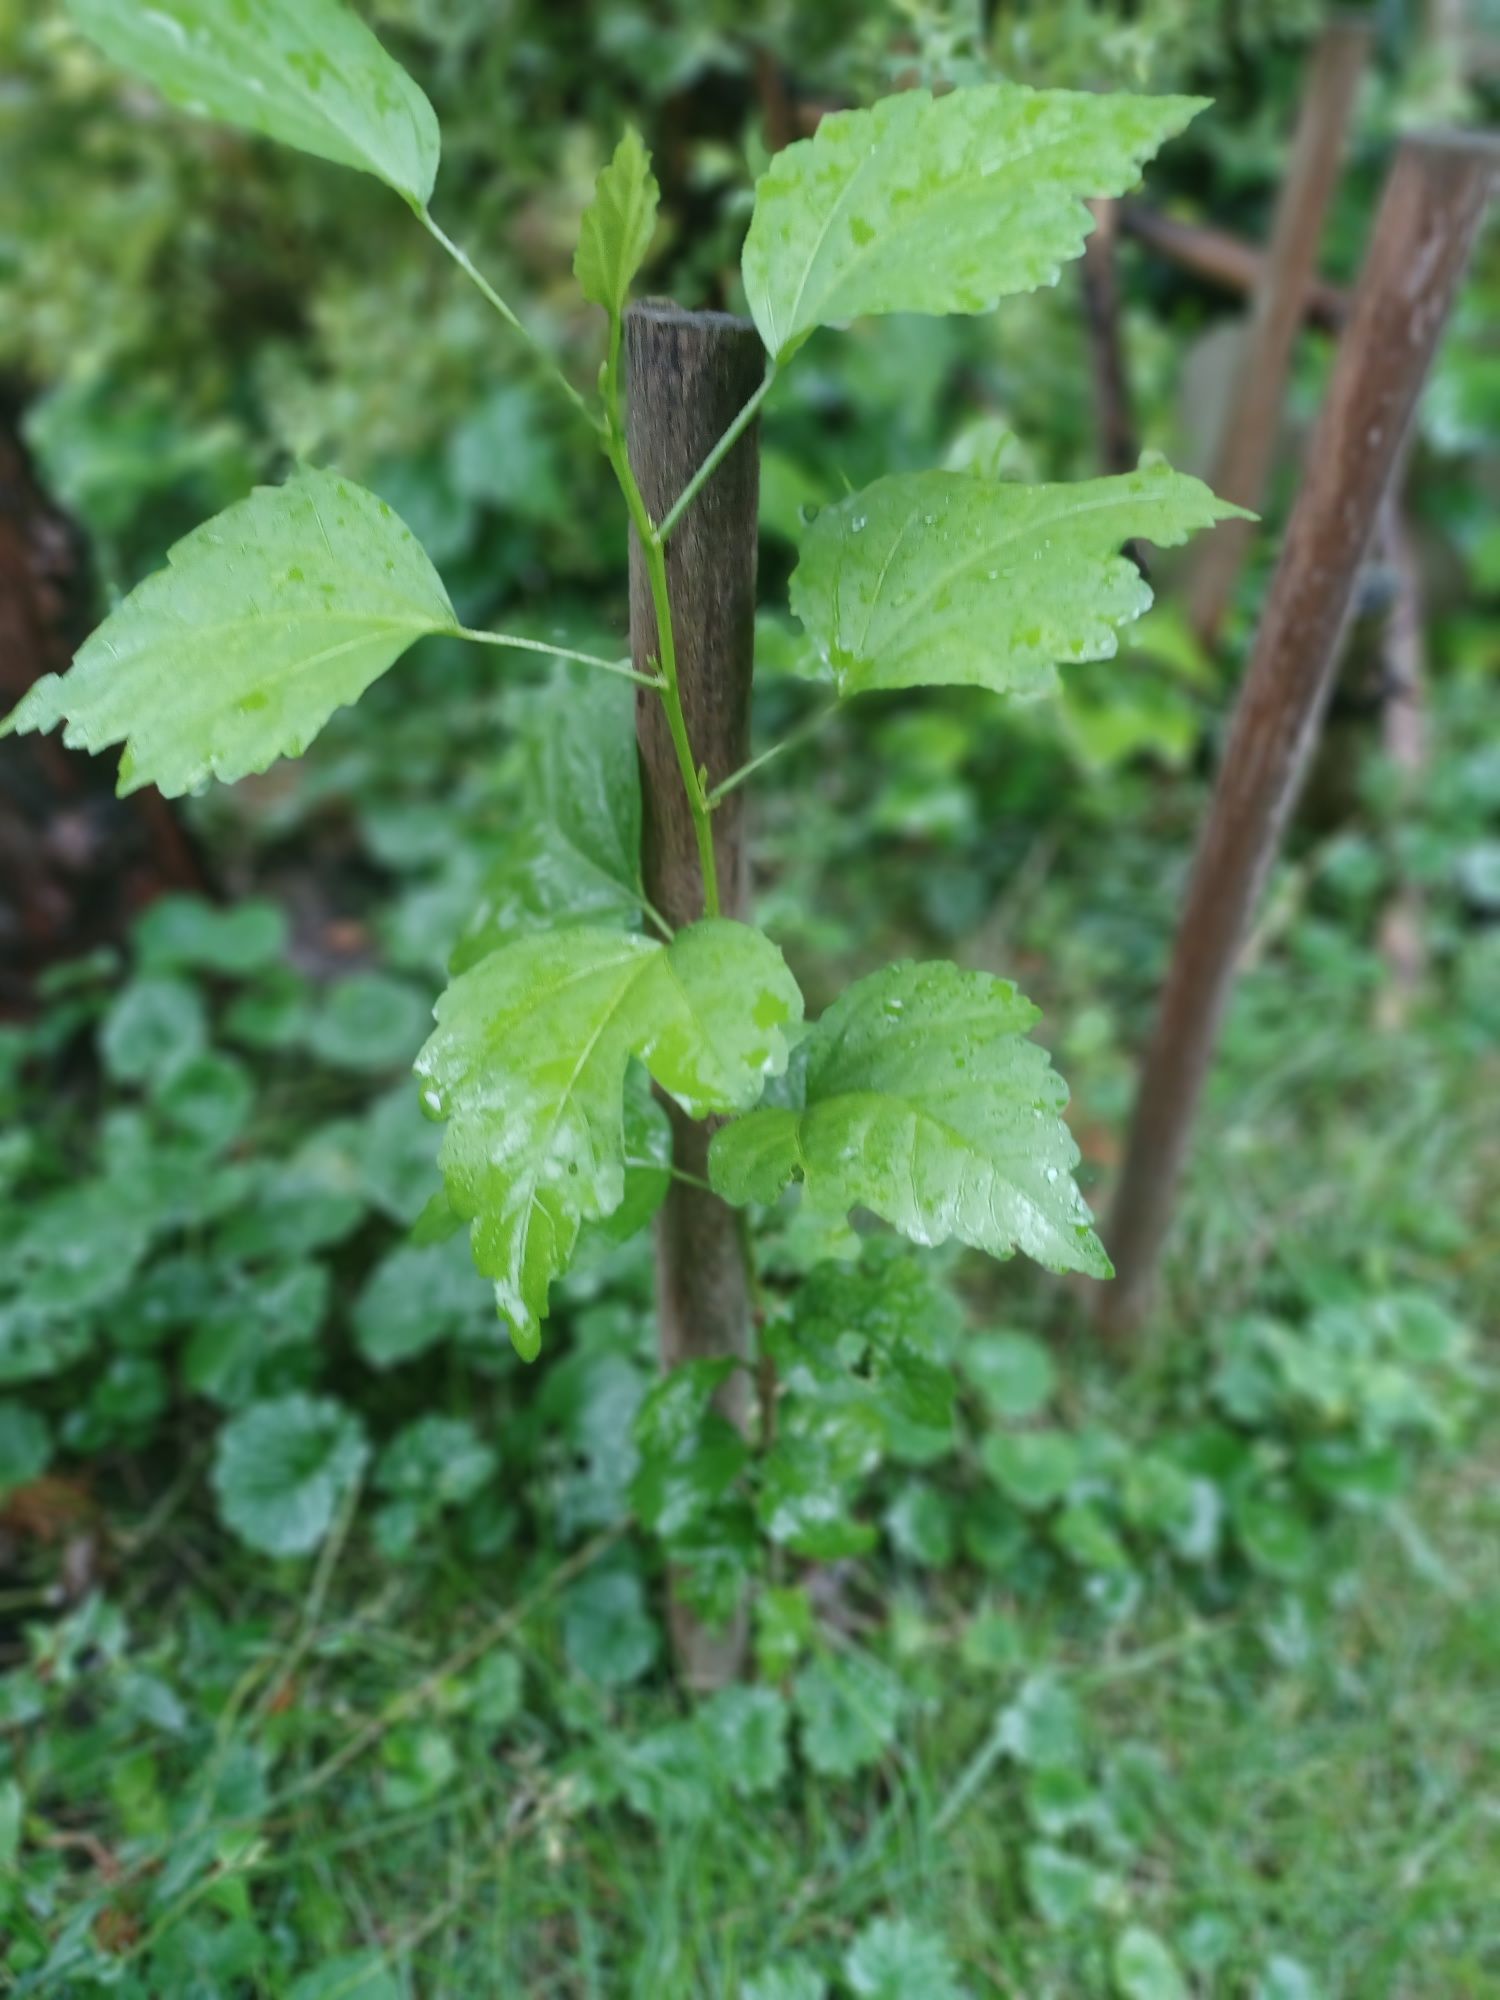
{"type": "Point", "coordinates": [1429, 216]}
{"type": "Point", "coordinates": [1248, 449]}
{"type": "Point", "coordinates": [688, 375]}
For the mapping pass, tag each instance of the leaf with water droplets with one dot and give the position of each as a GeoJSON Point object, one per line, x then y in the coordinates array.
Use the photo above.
{"type": "Point", "coordinates": [927, 1104]}
{"type": "Point", "coordinates": [266, 619]}
{"type": "Point", "coordinates": [306, 72]}
{"type": "Point", "coordinates": [947, 578]}
{"type": "Point", "coordinates": [615, 233]}
{"type": "Point", "coordinates": [529, 1062]}
{"type": "Point", "coordinates": [939, 205]}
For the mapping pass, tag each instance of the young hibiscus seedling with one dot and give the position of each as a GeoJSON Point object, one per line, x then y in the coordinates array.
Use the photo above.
{"type": "Point", "coordinates": [919, 1096]}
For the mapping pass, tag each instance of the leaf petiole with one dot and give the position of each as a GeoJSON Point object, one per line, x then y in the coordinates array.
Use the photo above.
{"type": "Point", "coordinates": [509, 639]}
{"type": "Point", "coordinates": [716, 457]}
{"type": "Point", "coordinates": [548, 362]}
{"type": "Point", "coordinates": [809, 726]}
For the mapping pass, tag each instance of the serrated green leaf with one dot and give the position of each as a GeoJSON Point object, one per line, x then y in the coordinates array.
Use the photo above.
{"type": "Point", "coordinates": [615, 233]}
{"type": "Point", "coordinates": [528, 1065]}
{"type": "Point", "coordinates": [266, 619]}
{"type": "Point", "coordinates": [926, 1104]}
{"type": "Point", "coordinates": [939, 205]}
{"type": "Point", "coordinates": [283, 1468]}
{"type": "Point", "coordinates": [575, 857]}
{"type": "Point", "coordinates": [306, 72]}
{"type": "Point", "coordinates": [948, 579]}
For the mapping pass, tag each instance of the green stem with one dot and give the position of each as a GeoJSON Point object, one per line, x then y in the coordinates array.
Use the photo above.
{"type": "Point", "coordinates": [716, 457]}
{"type": "Point", "coordinates": [621, 667]}
{"type": "Point", "coordinates": [809, 726]}
{"type": "Point", "coordinates": [654, 551]}
{"type": "Point", "coordinates": [549, 365]}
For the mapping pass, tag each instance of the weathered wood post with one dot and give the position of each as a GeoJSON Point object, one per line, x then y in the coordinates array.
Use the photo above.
{"type": "Point", "coordinates": [1247, 451]}
{"type": "Point", "coordinates": [1428, 219]}
{"type": "Point", "coordinates": [688, 376]}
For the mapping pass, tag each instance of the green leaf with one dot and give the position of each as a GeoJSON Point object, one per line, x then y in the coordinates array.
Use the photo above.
{"type": "Point", "coordinates": [608, 1634]}
{"type": "Point", "coordinates": [437, 1461]}
{"type": "Point", "coordinates": [154, 1027]}
{"type": "Point", "coordinates": [947, 579]}
{"type": "Point", "coordinates": [1012, 1372]}
{"type": "Point", "coordinates": [926, 1104]}
{"type": "Point", "coordinates": [1275, 1535]}
{"type": "Point", "coordinates": [529, 1063]}
{"type": "Point", "coordinates": [787, 1979]}
{"type": "Point", "coordinates": [848, 1706]}
{"type": "Point", "coordinates": [1060, 1886]}
{"type": "Point", "coordinates": [895, 1959]}
{"type": "Point", "coordinates": [1042, 1728]}
{"type": "Point", "coordinates": [413, 1299]}
{"type": "Point", "coordinates": [575, 857]}
{"type": "Point", "coordinates": [747, 1729]}
{"type": "Point", "coordinates": [939, 205]}
{"type": "Point", "coordinates": [188, 933]}
{"type": "Point", "coordinates": [266, 619]}
{"type": "Point", "coordinates": [357, 1976]}
{"type": "Point", "coordinates": [690, 1453]}
{"type": "Point", "coordinates": [617, 224]}
{"type": "Point", "coordinates": [283, 1468]}
{"type": "Point", "coordinates": [368, 1021]}
{"type": "Point", "coordinates": [25, 1445]}
{"type": "Point", "coordinates": [1034, 1468]}
{"type": "Point", "coordinates": [1144, 1968]}
{"type": "Point", "coordinates": [306, 72]}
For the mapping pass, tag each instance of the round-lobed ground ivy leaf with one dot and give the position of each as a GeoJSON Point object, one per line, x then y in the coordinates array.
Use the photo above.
{"type": "Point", "coordinates": [283, 1468]}
{"type": "Point", "coordinates": [25, 1445]}
{"type": "Point", "coordinates": [608, 1634]}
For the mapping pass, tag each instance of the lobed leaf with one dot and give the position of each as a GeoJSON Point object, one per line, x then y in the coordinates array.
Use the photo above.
{"type": "Point", "coordinates": [946, 578]}
{"type": "Point", "coordinates": [529, 1063]}
{"type": "Point", "coordinates": [926, 1104]}
{"type": "Point", "coordinates": [266, 619]}
{"type": "Point", "coordinates": [939, 205]}
{"type": "Point", "coordinates": [617, 225]}
{"type": "Point", "coordinates": [306, 72]}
